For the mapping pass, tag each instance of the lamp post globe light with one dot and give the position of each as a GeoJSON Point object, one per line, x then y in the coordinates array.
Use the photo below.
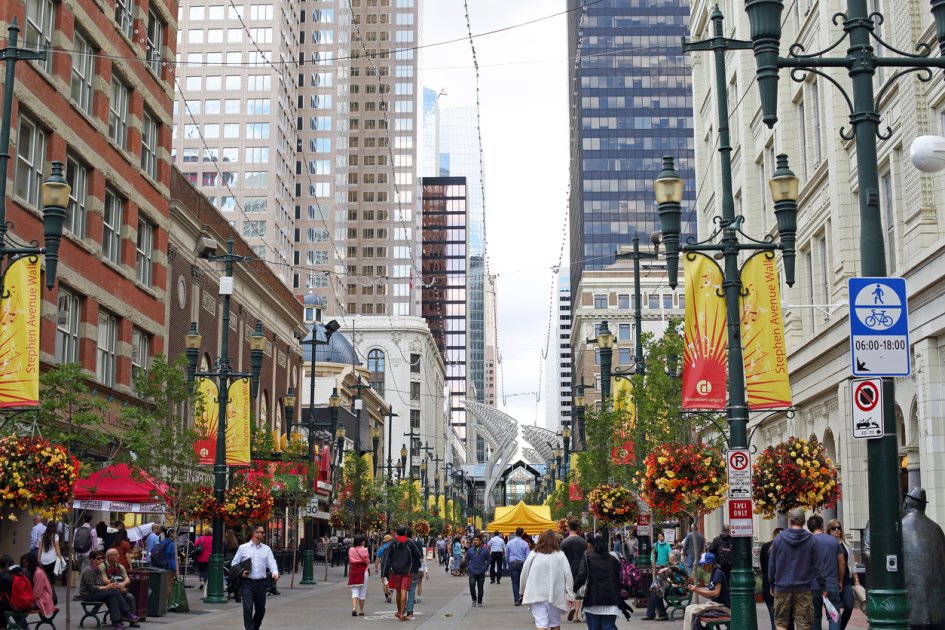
{"type": "Point", "coordinates": [887, 606]}
{"type": "Point", "coordinates": [580, 403]}
{"type": "Point", "coordinates": [224, 375]}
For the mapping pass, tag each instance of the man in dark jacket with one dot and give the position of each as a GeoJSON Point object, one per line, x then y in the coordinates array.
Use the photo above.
{"type": "Point", "coordinates": [477, 563]}
{"type": "Point", "coordinates": [574, 548]}
{"type": "Point", "coordinates": [398, 562]}
{"type": "Point", "coordinates": [791, 570]}
{"type": "Point", "coordinates": [721, 548]}
{"type": "Point", "coordinates": [830, 565]}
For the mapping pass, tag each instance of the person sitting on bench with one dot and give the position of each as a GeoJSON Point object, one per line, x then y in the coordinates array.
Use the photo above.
{"type": "Point", "coordinates": [94, 588]}
{"type": "Point", "coordinates": [717, 592]}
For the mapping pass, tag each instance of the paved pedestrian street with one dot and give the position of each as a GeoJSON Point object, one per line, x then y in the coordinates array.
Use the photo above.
{"type": "Point", "coordinates": [445, 605]}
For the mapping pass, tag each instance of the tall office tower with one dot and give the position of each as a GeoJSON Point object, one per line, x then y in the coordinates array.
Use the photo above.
{"type": "Point", "coordinates": [631, 105]}
{"type": "Point", "coordinates": [321, 168]}
{"type": "Point", "coordinates": [234, 113]}
{"type": "Point", "coordinates": [384, 228]}
{"type": "Point", "coordinates": [430, 125]}
{"type": "Point", "coordinates": [492, 343]}
{"type": "Point", "coordinates": [445, 216]}
{"type": "Point", "coordinates": [558, 361]}
{"type": "Point", "coordinates": [459, 156]}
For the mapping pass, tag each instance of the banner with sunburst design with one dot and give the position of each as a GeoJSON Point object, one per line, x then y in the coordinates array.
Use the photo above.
{"type": "Point", "coordinates": [19, 335]}
{"type": "Point", "coordinates": [237, 423]}
{"type": "Point", "coordinates": [206, 424]}
{"type": "Point", "coordinates": [706, 344]}
{"type": "Point", "coordinates": [762, 328]}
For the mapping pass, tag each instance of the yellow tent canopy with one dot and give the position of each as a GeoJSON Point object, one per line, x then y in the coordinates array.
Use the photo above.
{"type": "Point", "coordinates": [533, 518]}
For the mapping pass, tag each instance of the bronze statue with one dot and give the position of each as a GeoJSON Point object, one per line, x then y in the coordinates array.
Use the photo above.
{"type": "Point", "coordinates": [923, 547]}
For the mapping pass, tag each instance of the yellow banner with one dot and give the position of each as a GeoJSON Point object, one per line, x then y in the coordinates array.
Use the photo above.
{"type": "Point", "coordinates": [369, 463]}
{"type": "Point", "coordinates": [206, 422]}
{"type": "Point", "coordinates": [19, 335]}
{"type": "Point", "coordinates": [762, 326]}
{"type": "Point", "coordinates": [441, 507]}
{"type": "Point", "coordinates": [706, 338]}
{"type": "Point", "coordinates": [451, 510]}
{"type": "Point", "coordinates": [622, 390]}
{"type": "Point", "coordinates": [237, 423]}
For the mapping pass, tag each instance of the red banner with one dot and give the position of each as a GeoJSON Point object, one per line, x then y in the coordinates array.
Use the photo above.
{"type": "Point", "coordinates": [623, 453]}
{"type": "Point", "coordinates": [706, 342]}
{"type": "Point", "coordinates": [575, 493]}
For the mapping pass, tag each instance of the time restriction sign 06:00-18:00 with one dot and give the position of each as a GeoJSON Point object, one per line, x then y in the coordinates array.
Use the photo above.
{"type": "Point", "coordinates": [880, 343]}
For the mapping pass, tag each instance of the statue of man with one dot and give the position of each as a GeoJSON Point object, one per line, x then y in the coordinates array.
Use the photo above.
{"type": "Point", "coordinates": [923, 546]}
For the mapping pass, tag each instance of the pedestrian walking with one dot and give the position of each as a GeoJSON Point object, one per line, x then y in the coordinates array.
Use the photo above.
{"type": "Point", "coordinates": [791, 569]}
{"type": "Point", "coordinates": [661, 551]}
{"type": "Point", "coordinates": [477, 563]}
{"type": "Point", "coordinates": [497, 553]}
{"type": "Point", "coordinates": [831, 566]}
{"type": "Point", "coordinates": [255, 558]}
{"type": "Point", "coordinates": [849, 578]}
{"type": "Point", "coordinates": [457, 555]}
{"type": "Point", "coordinates": [378, 559]}
{"type": "Point", "coordinates": [423, 575]}
{"type": "Point", "coordinates": [396, 569]}
{"type": "Point", "coordinates": [203, 546]}
{"type": "Point", "coordinates": [574, 548]}
{"type": "Point", "coordinates": [153, 540]}
{"type": "Point", "coordinates": [516, 552]}
{"type": "Point", "coordinates": [93, 587]}
{"type": "Point", "coordinates": [414, 572]}
{"type": "Point", "coordinates": [441, 552]}
{"type": "Point", "coordinates": [36, 534]}
{"type": "Point", "coordinates": [358, 573]}
{"type": "Point", "coordinates": [547, 584]}
{"type": "Point", "coordinates": [84, 541]}
{"type": "Point", "coordinates": [721, 548]}
{"type": "Point", "coordinates": [600, 571]}
{"type": "Point", "coordinates": [766, 592]}
{"type": "Point", "coordinates": [717, 591]}
{"type": "Point", "coordinates": [692, 547]}
{"type": "Point", "coordinates": [49, 553]}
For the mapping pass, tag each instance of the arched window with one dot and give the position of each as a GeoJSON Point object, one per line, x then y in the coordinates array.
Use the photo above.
{"type": "Point", "coordinates": [375, 365]}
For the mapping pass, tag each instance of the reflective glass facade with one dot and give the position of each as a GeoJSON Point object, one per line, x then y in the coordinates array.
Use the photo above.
{"type": "Point", "coordinates": [633, 105]}
{"type": "Point", "coordinates": [444, 282]}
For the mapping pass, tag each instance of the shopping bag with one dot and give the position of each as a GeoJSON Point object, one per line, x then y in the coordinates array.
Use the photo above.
{"type": "Point", "coordinates": [831, 611]}
{"type": "Point", "coordinates": [60, 566]}
{"type": "Point", "coordinates": [178, 601]}
{"type": "Point", "coordinates": [859, 593]}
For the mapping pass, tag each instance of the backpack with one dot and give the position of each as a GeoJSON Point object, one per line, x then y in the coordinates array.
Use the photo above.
{"type": "Point", "coordinates": [159, 557]}
{"type": "Point", "coordinates": [21, 596]}
{"type": "Point", "coordinates": [83, 540]}
{"type": "Point", "coordinates": [724, 553]}
{"type": "Point", "coordinates": [631, 579]}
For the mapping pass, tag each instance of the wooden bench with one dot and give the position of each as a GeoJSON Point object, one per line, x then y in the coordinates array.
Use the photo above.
{"type": "Point", "coordinates": [716, 623]}
{"type": "Point", "coordinates": [18, 620]}
{"type": "Point", "coordinates": [677, 603]}
{"type": "Point", "coordinates": [93, 610]}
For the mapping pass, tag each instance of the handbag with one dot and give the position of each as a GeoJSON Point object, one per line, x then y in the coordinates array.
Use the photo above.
{"type": "Point", "coordinates": [582, 592]}
{"type": "Point", "coordinates": [859, 593]}
{"type": "Point", "coordinates": [60, 565]}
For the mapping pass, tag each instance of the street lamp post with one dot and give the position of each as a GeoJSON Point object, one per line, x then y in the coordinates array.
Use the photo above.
{"type": "Point", "coordinates": [390, 430]}
{"type": "Point", "coordinates": [580, 403]}
{"type": "Point", "coordinates": [566, 440]}
{"type": "Point", "coordinates": [224, 374]}
{"type": "Point", "coordinates": [376, 443]}
{"type": "Point", "coordinates": [308, 555]}
{"type": "Point", "coordinates": [636, 255]}
{"type": "Point", "coordinates": [605, 346]}
{"type": "Point", "coordinates": [887, 607]}
{"type": "Point", "coordinates": [669, 191]}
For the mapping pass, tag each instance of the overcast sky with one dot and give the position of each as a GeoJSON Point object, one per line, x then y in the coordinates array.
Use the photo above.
{"type": "Point", "coordinates": [524, 108]}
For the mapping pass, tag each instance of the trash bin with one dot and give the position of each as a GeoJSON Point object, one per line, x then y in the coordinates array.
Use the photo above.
{"type": "Point", "coordinates": [140, 582]}
{"type": "Point", "coordinates": [160, 584]}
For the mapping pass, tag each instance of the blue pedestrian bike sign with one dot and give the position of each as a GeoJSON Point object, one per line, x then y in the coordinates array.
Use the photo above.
{"type": "Point", "coordinates": [879, 327]}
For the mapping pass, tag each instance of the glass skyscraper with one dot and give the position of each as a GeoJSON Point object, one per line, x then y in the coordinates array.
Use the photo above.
{"type": "Point", "coordinates": [631, 105]}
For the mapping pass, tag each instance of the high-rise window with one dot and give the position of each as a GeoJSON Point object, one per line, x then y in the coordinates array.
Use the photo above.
{"type": "Point", "coordinates": [107, 343]}
{"type": "Point", "coordinates": [144, 257]}
{"type": "Point", "coordinates": [30, 157]}
{"type": "Point", "coordinates": [77, 174]}
{"type": "Point", "coordinates": [111, 226]}
{"type": "Point", "coordinates": [375, 366]}
{"type": "Point", "coordinates": [83, 68]}
{"type": "Point", "coordinates": [414, 391]}
{"type": "Point", "coordinates": [118, 113]}
{"type": "Point", "coordinates": [67, 327]}
{"type": "Point", "coordinates": [415, 419]}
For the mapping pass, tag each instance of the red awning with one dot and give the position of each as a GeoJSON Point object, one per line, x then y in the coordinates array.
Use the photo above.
{"type": "Point", "coordinates": [119, 483]}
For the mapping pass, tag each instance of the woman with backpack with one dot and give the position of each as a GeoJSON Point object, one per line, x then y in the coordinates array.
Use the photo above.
{"type": "Point", "coordinates": [49, 553]}
{"type": "Point", "coordinates": [600, 571]}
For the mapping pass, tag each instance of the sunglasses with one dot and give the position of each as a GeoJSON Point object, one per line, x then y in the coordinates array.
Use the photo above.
{"type": "Point", "coordinates": [836, 527]}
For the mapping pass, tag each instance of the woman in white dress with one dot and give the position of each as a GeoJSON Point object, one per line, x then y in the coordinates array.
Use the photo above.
{"type": "Point", "coordinates": [546, 584]}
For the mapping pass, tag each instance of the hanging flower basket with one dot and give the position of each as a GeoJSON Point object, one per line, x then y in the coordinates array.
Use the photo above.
{"type": "Point", "coordinates": [792, 474]}
{"type": "Point", "coordinates": [683, 478]}
{"type": "Point", "coordinates": [249, 500]}
{"type": "Point", "coordinates": [375, 522]}
{"type": "Point", "coordinates": [339, 520]}
{"type": "Point", "coordinates": [612, 504]}
{"type": "Point", "coordinates": [36, 474]}
{"type": "Point", "coordinates": [421, 527]}
{"type": "Point", "coordinates": [563, 526]}
{"type": "Point", "coordinates": [203, 506]}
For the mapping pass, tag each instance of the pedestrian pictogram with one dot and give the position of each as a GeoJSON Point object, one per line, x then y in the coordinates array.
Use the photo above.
{"type": "Point", "coordinates": [867, 396]}
{"type": "Point", "coordinates": [739, 474]}
{"type": "Point", "coordinates": [879, 327]}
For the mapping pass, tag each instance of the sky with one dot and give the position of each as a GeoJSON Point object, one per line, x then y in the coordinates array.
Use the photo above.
{"type": "Point", "coordinates": [524, 122]}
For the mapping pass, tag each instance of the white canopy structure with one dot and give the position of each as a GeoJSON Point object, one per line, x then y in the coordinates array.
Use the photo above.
{"type": "Point", "coordinates": [500, 431]}
{"type": "Point", "coordinates": [543, 440]}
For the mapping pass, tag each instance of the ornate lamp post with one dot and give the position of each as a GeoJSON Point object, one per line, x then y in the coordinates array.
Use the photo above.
{"type": "Point", "coordinates": [605, 345]}
{"type": "Point", "coordinates": [376, 443]}
{"type": "Point", "coordinates": [580, 403]}
{"type": "Point", "coordinates": [224, 375]}
{"type": "Point", "coordinates": [556, 462]}
{"type": "Point", "coordinates": [390, 430]}
{"type": "Point", "coordinates": [566, 440]}
{"type": "Point", "coordinates": [887, 605]}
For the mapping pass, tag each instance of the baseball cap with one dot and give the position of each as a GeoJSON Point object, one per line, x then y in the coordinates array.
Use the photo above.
{"type": "Point", "coordinates": [387, 538]}
{"type": "Point", "coordinates": [706, 558]}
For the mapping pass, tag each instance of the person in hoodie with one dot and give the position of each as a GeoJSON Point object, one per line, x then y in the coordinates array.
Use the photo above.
{"type": "Point", "coordinates": [830, 565]}
{"type": "Point", "coordinates": [792, 568]}
{"type": "Point", "coordinates": [400, 558]}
